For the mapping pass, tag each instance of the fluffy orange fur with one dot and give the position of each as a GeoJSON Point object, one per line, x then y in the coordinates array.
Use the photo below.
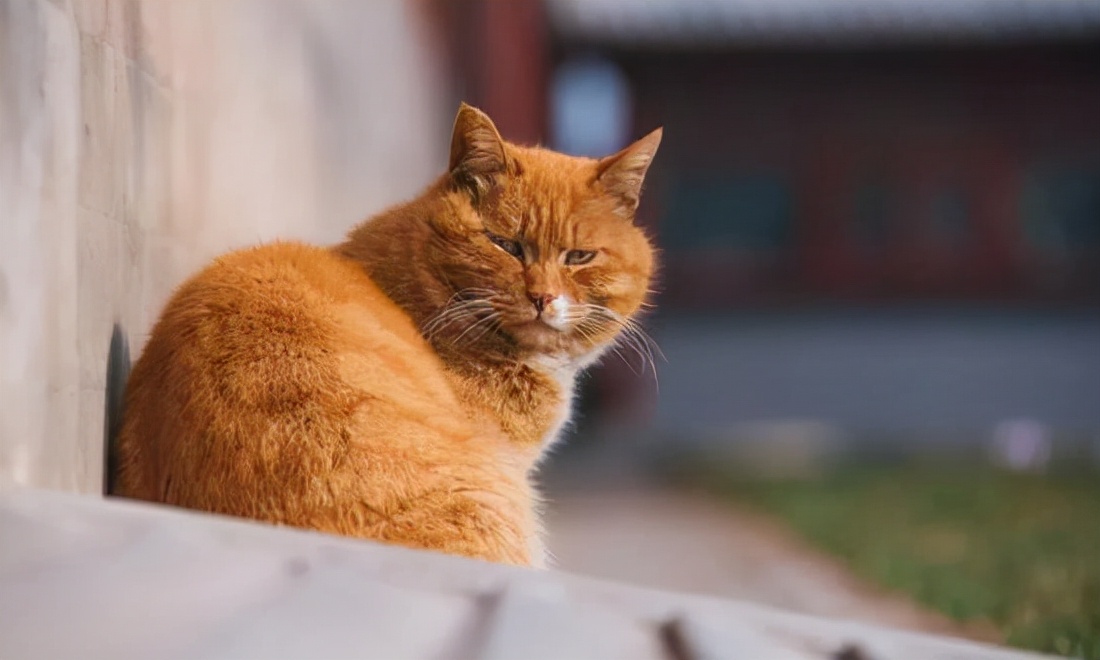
{"type": "Point", "coordinates": [403, 385]}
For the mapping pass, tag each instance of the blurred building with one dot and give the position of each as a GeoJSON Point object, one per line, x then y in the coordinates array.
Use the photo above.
{"type": "Point", "coordinates": [866, 150]}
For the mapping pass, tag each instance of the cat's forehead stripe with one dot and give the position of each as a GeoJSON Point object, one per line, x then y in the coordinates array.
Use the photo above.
{"type": "Point", "coordinates": [546, 218]}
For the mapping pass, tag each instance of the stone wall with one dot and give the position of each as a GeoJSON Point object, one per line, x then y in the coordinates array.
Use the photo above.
{"type": "Point", "coordinates": [139, 139]}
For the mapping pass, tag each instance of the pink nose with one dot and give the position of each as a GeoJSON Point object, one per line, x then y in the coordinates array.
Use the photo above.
{"type": "Point", "coordinates": [541, 300]}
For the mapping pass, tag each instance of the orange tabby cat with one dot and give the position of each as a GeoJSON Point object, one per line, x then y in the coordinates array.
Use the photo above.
{"type": "Point", "coordinates": [402, 385]}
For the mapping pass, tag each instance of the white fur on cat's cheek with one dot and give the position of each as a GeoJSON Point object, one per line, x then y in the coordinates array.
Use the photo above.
{"type": "Point", "coordinates": [556, 314]}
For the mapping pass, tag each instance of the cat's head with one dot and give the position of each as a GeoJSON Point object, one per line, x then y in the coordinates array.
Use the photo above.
{"type": "Point", "coordinates": [538, 248]}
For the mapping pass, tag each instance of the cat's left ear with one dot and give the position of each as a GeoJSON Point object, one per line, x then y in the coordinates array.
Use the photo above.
{"type": "Point", "coordinates": [477, 151]}
{"type": "Point", "coordinates": [622, 174]}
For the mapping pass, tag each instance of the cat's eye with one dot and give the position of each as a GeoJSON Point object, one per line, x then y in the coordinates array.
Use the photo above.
{"type": "Point", "coordinates": [511, 247]}
{"type": "Point", "coordinates": [579, 257]}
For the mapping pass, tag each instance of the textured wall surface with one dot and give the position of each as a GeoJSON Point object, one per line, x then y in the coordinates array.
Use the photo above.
{"type": "Point", "coordinates": [139, 139]}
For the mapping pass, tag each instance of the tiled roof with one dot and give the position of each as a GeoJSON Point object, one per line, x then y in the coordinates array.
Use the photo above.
{"type": "Point", "coordinates": [749, 22]}
{"type": "Point", "coordinates": [81, 577]}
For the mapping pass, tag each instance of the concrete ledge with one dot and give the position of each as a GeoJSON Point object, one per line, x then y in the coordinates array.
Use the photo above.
{"type": "Point", "coordinates": [86, 577]}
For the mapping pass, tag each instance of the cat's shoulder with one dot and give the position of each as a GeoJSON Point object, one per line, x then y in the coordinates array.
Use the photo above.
{"type": "Point", "coordinates": [280, 265]}
{"type": "Point", "coordinates": [284, 279]}
{"type": "Point", "coordinates": [273, 258]}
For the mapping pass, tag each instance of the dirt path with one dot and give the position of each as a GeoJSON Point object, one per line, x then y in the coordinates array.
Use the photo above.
{"type": "Point", "coordinates": [696, 544]}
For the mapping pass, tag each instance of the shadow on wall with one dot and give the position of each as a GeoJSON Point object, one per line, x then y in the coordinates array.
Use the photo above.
{"type": "Point", "coordinates": [118, 371]}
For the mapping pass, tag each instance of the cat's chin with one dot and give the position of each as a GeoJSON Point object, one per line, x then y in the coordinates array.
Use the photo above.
{"type": "Point", "coordinates": [538, 337]}
{"type": "Point", "coordinates": [563, 347]}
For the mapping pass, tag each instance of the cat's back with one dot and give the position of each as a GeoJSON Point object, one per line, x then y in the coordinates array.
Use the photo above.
{"type": "Point", "coordinates": [258, 374]}
{"type": "Point", "coordinates": [267, 310]}
{"type": "Point", "coordinates": [276, 286]}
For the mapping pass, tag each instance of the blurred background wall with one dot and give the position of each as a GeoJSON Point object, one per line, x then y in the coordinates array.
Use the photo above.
{"type": "Point", "coordinates": [139, 139]}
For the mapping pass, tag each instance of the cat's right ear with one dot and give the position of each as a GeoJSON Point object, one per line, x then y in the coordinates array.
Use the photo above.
{"type": "Point", "coordinates": [621, 175]}
{"type": "Point", "coordinates": [477, 151]}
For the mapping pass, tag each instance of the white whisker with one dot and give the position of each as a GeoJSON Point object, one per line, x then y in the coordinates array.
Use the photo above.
{"type": "Point", "coordinates": [492, 316]}
{"type": "Point", "coordinates": [629, 336]}
{"type": "Point", "coordinates": [473, 307]}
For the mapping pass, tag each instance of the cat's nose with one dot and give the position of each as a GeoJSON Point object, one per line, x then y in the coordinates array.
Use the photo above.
{"type": "Point", "coordinates": [541, 300]}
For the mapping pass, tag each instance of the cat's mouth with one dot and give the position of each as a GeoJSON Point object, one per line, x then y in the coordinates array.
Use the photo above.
{"type": "Point", "coordinates": [546, 324]}
{"type": "Point", "coordinates": [539, 323]}
{"type": "Point", "coordinates": [542, 324]}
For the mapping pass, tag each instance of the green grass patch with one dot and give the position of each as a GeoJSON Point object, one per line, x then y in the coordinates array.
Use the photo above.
{"type": "Point", "coordinates": [1021, 551]}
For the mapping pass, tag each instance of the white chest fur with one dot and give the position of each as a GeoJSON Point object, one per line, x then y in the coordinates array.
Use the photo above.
{"type": "Point", "coordinates": [564, 373]}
